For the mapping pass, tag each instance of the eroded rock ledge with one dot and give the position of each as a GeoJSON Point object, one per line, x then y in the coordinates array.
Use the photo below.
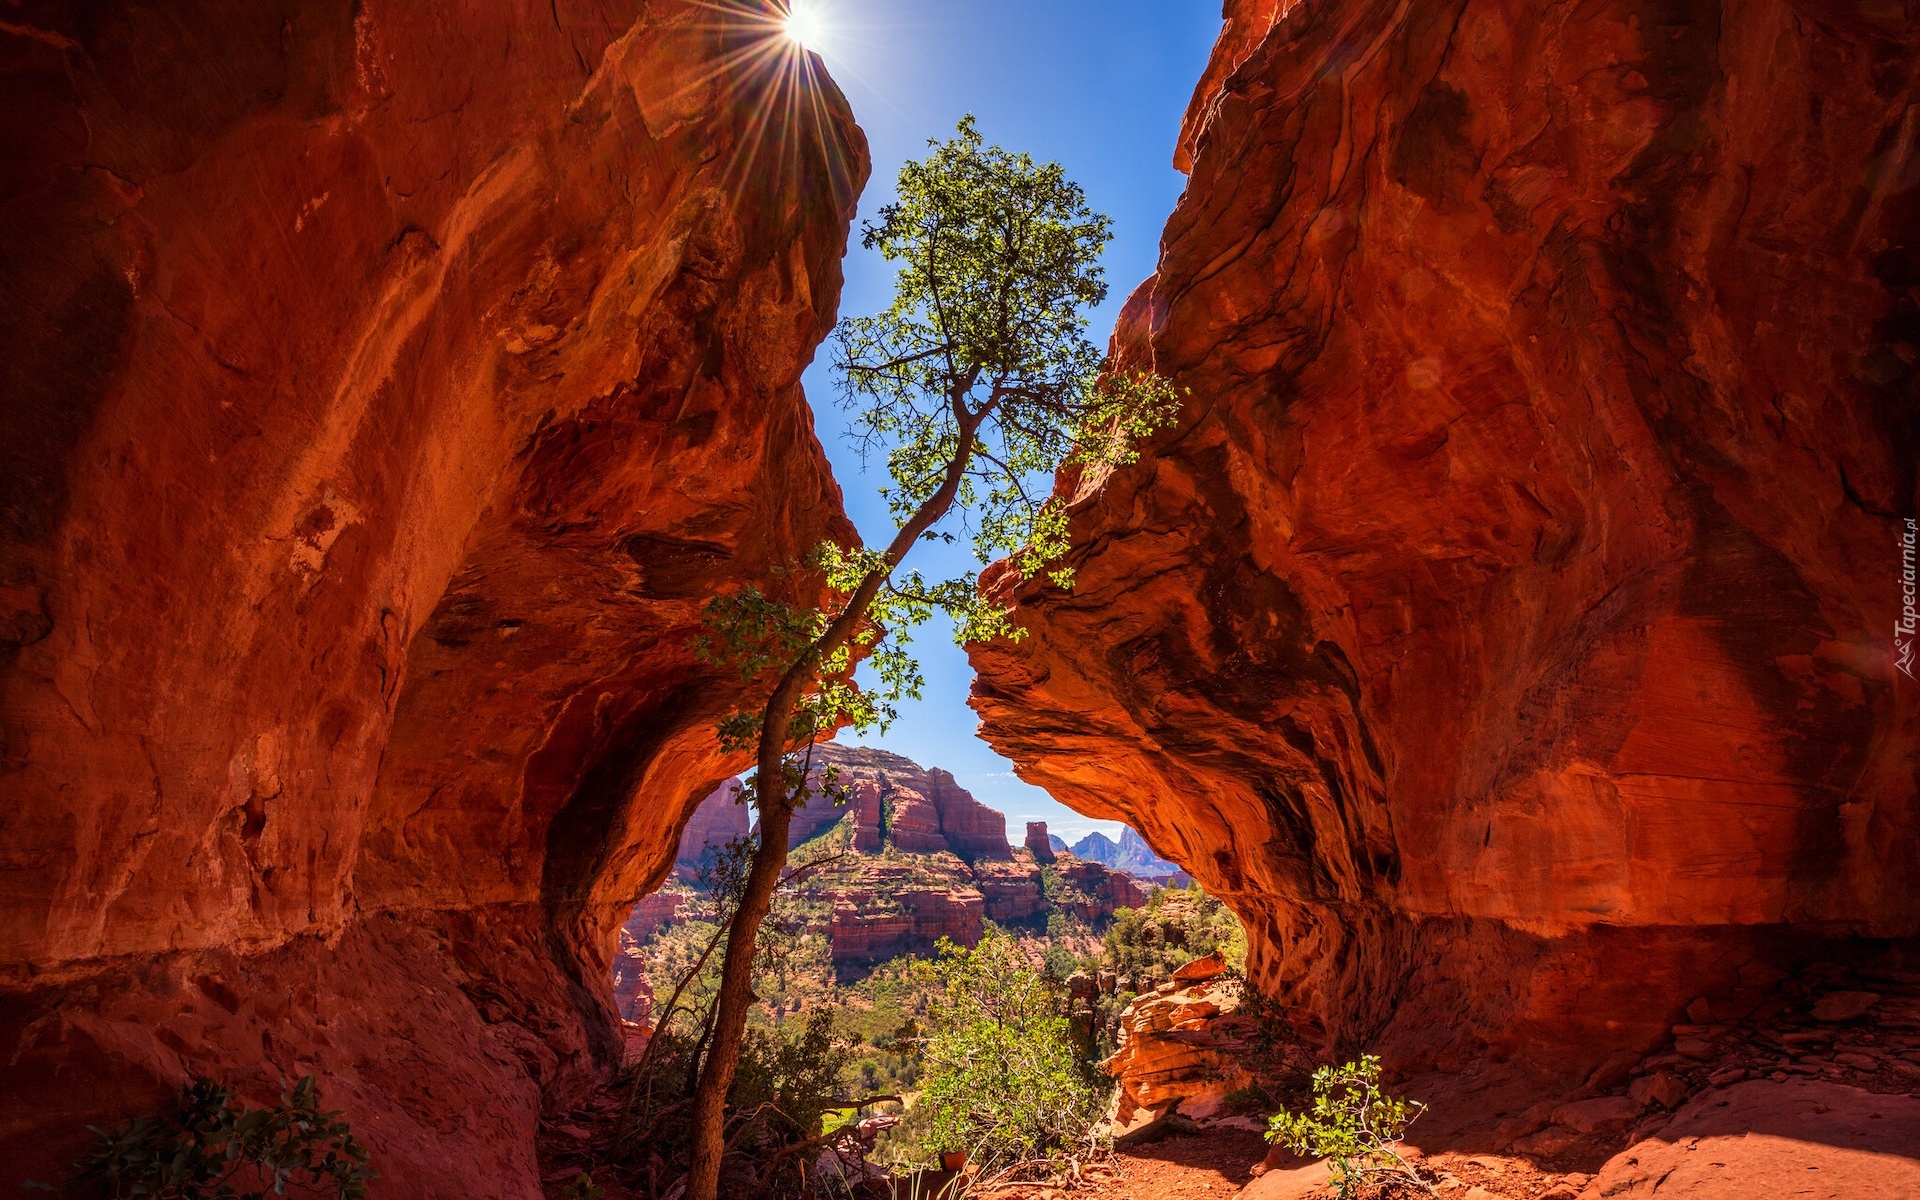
{"type": "Point", "coordinates": [1505, 631]}
{"type": "Point", "coordinates": [387, 385]}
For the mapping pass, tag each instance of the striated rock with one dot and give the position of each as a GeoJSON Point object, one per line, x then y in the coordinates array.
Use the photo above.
{"type": "Point", "coordinates": [1095, 892]}
{"type": "Point", "coordinates": [388, 384]}
{"type": "Point", "coordinates": [1200, 970]}
{"type": "Point", "coordinates": [897, 802]}
{"type": "Point", "coordinates": [1013, 891]}
{"type": "Point", "coordinates": [632, 991]}
{"type": "Point", "coordinates": [652, 911]}
{"type": "Point", "coordinates": [871, 927]}
{"type": "Point", "coordinates": [1503, 630]}
{"type": "Point", "coordinates": [1179, 1047]}
{"type": "Point", "coordinates": [719, 819]}
{"type": "Point", "coordinates": [944, 863]}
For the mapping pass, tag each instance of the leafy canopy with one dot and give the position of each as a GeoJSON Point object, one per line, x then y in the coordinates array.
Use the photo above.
{"type": "Point", "coordinates": [975, 384]}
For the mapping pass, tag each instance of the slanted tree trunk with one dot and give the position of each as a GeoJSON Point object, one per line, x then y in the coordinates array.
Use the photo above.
{"type": "Point", "coordinates": [776, 818]}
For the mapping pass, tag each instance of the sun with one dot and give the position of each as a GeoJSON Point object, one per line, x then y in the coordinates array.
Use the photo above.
{"type": "Point", "coordinates": [804, 27]}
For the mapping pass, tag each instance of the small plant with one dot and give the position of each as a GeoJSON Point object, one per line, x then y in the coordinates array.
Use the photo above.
{"type": "Point", "coordinates": [1354, 1125]}
{"type": "Point", "coordinates": [583, 1188]}
{"type": "Point", "coordinates": [213, 1147]}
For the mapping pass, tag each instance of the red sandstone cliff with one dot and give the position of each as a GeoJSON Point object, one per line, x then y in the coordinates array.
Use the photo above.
{"type": "Point", "coordinates": [929, 861]}
{"type": "Point", "coordinates": [387, 385]}
{"type": "Point", "coordinates": [1505, 631]}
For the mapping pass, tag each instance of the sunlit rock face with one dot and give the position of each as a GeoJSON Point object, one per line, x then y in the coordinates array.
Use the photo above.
{"type": "Point", "coordinates": [388, 384]}
{"type": "Point", "coordinates": [1507, 628]}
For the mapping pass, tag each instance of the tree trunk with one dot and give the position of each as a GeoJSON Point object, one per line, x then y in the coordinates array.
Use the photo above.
{"type": "Point", "coordinates": [736, 993]}
{"type": "Point", "coordinates": [776, 817]}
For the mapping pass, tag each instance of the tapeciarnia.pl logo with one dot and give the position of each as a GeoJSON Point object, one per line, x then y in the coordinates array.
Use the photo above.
{"type": "Point", "coordinates": [1904, 627]}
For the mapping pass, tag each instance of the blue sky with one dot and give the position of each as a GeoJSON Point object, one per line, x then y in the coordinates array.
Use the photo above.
{"type": "Point", "coordinates": [1098, 85]}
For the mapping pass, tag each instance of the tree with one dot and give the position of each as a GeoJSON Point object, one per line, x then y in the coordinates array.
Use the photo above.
{"type": "Point", "coordinates": [975, 383]}
{"type": "Point", "coordinates": [1003, 1080]}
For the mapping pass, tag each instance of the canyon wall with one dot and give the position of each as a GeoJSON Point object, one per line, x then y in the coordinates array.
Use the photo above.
{"type": "Point", "coordinates": [1507, 630]}
{"type": "Point", "coordinates": [388, 383]}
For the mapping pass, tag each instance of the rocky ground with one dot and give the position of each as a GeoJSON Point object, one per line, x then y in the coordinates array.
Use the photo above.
{"type": "Point", "coordinates": [1802, 1085]}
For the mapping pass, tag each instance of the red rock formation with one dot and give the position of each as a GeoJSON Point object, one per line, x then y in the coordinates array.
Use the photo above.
{"type": "Point", "coordinates": [1012, 891]}
{"type": "Point", "coordinates": [1039, 843]}
{"type": "Point", "coordinates": [632, 991]}
{"type": "Point", "coordinates": [1099, 890]}
{"type": "Point", "coordinates": [873, 925]}
{"type": "Point", "coordinates": [388, 384]}
{"type": "Point", "coordinates": [1505, 631]}
{"type": "Point", "coordinates": [719, 819]}
{"type": "Point", "coordinates": [653, 911]}
{"type": "Point", "coordinates": [868, 812]}
{"type": "Point", "coordinates": [923, 811]}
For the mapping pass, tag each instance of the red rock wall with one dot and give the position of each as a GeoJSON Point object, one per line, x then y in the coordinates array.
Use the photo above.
{"type": "Point", "coordinates": [866, 929]}
{"type": "Point", "coordinates": [718, 819]}
{"type": "Point", "coordinates": [1506, 630]}
{"type": "Point", "coordinates": [388, 384]}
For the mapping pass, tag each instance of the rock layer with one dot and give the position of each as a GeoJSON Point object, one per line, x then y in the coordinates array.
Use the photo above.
{"type": "Point", "coordinates": [929, 861]}
{"type": "Point", "coordinates": [388, 383]}
{"type": "Point", "coordinates": [1506, 628]}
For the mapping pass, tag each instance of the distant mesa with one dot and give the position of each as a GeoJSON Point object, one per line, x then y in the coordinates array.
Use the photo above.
{"type": "Point", "coordinates": [893, 802]}
{"type": "Point", "coordinates": [928, 860]}
{"type": "Point", "coordinates": [1130, 854]}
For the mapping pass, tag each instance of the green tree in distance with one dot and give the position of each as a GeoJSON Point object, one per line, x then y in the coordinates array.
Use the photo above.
{"type": "Point", "coordinates": [976, 383]}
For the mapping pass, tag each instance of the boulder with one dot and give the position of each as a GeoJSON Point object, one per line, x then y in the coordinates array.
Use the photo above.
{"type": "Point", "coordinates": [1844, 1006]}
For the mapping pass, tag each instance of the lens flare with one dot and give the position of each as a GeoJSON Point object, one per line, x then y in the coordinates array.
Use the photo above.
{"type": "Point", "coordinates": [804, 27]}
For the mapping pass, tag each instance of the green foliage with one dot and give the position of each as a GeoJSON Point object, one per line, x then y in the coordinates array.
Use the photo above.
{"type": "Point", "coordinates": [1059, 961]}
{"type": "Point", "coordinates": [1352, 1124]}
{"type": "Point", "coordinates": [1249, 1099]}
{"type": "Point", "coordinates": [999, 260]}
{"type": "Point", "coordinates": [213, 1147]}
{"type": "Point", "coordinates": [789, 1079]}
{"type": "Point", "coordinates": [1176, 926]}
{"type": "Point", "coordinates": [583, 1188]}
{"type": "Point", "coordinates": [1002, 1079]}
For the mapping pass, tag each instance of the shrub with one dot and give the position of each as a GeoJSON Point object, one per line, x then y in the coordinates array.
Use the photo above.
{"type": "Point", "coordinates": [212, 1147]}
{"type": "Point", "coordinates": [790, 1079]}
{"type": "Point", "coordinates": [1174, 927]}
{"type": "Point", "coordinates": [1001, 1077]}
{"type": "Point", "coordinates": [1354, 1125]}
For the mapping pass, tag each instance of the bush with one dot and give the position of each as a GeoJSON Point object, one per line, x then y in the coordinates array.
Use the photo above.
{"type": "Point", "coordinates": [212, 1147]}
{"type": "Point", "coordinates": [1001, 1077]}
{"type": "Point", "coordinates": [1354, 1125]}
{"type": "Point", "coordinates": [789, 1081]}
